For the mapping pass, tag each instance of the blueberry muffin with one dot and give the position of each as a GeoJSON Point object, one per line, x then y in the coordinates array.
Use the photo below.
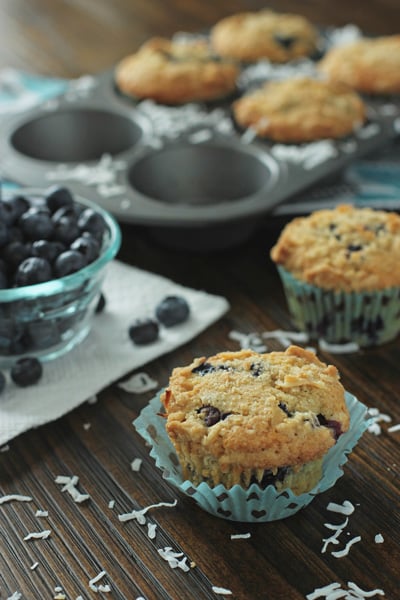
{"type": "Point", "coordinates": [340, 270]}
{"type": "Point", "coordinates": [175, 72]}
{"type": "Point", "coordinates": [244, 417]}
{"type": "Point", "coordinates": [300, 110]}
{"type": "Point", "coordinates": [370, 66]}
{"type": "Point", "coordinates": [251, 36]}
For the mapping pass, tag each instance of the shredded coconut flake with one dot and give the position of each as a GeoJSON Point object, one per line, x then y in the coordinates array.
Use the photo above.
{"type": "Point", "coordinates": [139, 514]}
{"type": "Point", "coordinates": [394, 428]}
{"type": "Point", "coordinates": [309, 155]}
{"type": "Point", "coordinates": [99, 588]}
{"type": "Point", "coordinates": [221, 591]}
{"type": "Point", "coordinates": [363, 593]}
{"type": "Point", "coordinates": [102, 176]}
{"type": "Point", "coordinates": [136, 464]}
{"type": "Point", "coordinates": [377, 418]}
{"type": "Point", "coordinates": [346, 549]}
{"type": "Point", "coordinates": [240, 536]}
{"type": "Point", "coordinates": [338, 348]}
{"type": "Point", "coordinates": [42, 513]}
{"type": "Point", "coordinates": [346, 508]}
{"type": "Point", "coordinates": [176, 560]}
{"type": "Point", "coordinates": [15, 498]}
{"type": "Point", "coordinates": [15, 596]}
{"type": "Point", "coordinates": [111, 504]}
{"type": "Point", "coordinates": [151, 530]}
{"type": "Point", "coordinates": [379, 539]}
{"type": "Point", "coordinates": [34, 566]}
{"type": "Point", "coordinates": [38, 535]}
{"type": "Point", "coordinates": [69, 485]}
{"type": "Point", "coordinates": [138, 384]}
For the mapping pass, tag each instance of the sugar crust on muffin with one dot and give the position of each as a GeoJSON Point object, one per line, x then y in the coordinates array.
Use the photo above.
{"type": "Point", "coordinates": [175, 72]}
{"type": "Point", "coordinates": [369, 65]}
{"type": "Point", "coordinates": [300, 109]}
{"type": "Point", "coordinates": [251, 36]}
{"type": "Point", "coordinates": [243, 417]}
{"type": "Point", "coordinates": [345, 248]}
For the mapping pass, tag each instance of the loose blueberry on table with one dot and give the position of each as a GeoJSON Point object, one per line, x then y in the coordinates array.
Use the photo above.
{"type": "Point", "coordinates": [26, 371]}
{"type": "Point", "coordinates": [144, 331]}
{"type": "Point", "coordinates": [172, 310]}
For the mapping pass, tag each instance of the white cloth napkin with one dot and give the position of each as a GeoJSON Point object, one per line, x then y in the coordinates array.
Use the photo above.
{"type": "Point", "coordinates": [107, 353]}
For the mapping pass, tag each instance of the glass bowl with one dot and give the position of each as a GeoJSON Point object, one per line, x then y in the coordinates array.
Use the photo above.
{"type": "Point", "coordinates": [48, 319]}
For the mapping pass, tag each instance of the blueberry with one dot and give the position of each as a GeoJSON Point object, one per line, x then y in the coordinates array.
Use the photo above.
{"type": "Point", "coordinates": [211, 415]}
{"type": "Point", "coordinates": [206, 368]}
{"type": "Point", "coordinates": [43, 334]}
{"type": "Point", "coordinates": [172, 310]}
{"type": "Point", "coordinates": [270, 478]}
{"type": "Point", "coordinates": [66, 229]}
{"type": "Point", "coordinates": [58, 197]}
{"type": "Point", "coordinates": [33, 270]}
{"type": "Point", "coordinates": [2, 382]}
{"type": "Point", "coordinates": [15, 253]}
{"type": "Point", "coordinates": [285, 409]}
{"type": "Point", "coordinates": [91, 221]}
{"type": "Point", "coordinates": [286, 41]}
{"type": "Point", "coordinates": [144, 331]}
{"type": "Point", "coordinates": [26, 371]}
{"type": "Point", "coordinates": [12, 208]}
{"type": "Point", "coordinates": [68, 262]}
{"type": "Point", "coordinates": [36, 224]}
{"type": "Point", "coordinates": [47, 249]}
{"type": "Point", "coordinates": [333, 425]}
{"type": "Point", "coordinates": [88, 246]}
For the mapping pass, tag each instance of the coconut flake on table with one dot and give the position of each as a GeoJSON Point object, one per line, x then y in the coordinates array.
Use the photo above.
{"type": "Point", "coordinates": [15, 596]}
{"type": "Point", "coordinates": [221, 591]}
{"type": "Point", "coordinates": [42, 513]}
{"type": "Point", "coordinates": [347, 348]}
{"type": "Point", "coordinates": [69, 485]}
{"type": "Point", "coordinates": [394, 428]}
{"type": "Point", "coordinates": [99, 588]}
{"type": "Point", "coordinates": [38, 535]}
{"type": "Point", "coordinates": [34, 566]}
{"type": "Point", "coordinates": [176, 560]}
{"type": "Point", "coordinates": [346, 508]}
{"type": "Point", "coordinates": [346, 549]}
{"type": "Point", "coordinates": [111, 504]}
{"type": "Point", "coordinates": [379, 539]}
{"type": "Point", "coordinates": [138, 383]}
{"type": "Point", "coordinates": [333, 591]}
{"type": "Point", "coordinates": [240, 536]}
{"type": "Point", "coordinates": [377, 417]}
{"type": "Point", "coordinates": [139, 514]}
{"type": "Point", "coordinates": [333, 539]}
{"type": "Point", "coordinates": [136, 463]}
{"type": "Point", "coordinates": [15, 498]}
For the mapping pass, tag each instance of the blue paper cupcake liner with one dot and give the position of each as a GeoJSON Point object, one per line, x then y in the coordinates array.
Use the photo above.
{"type": "Point", "coordinates": [367, 318]}
{"type": "Point", "coordinates": [253, 505]}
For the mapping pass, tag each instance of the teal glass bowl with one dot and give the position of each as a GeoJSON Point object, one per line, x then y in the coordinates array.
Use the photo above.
{"type": "Point", "coordinates": [48, 319]}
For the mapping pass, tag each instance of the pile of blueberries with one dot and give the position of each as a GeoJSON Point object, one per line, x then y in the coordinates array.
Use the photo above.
{"type": "Point", "coordinates": [41, 239]}
{"type": "Point", "coordinates": [46, 238]}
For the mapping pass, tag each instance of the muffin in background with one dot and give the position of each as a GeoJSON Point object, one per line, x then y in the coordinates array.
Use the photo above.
{"type": "Point", "coordinates": [243, 418]}
{"type": "Point", "coordinates": [251, 36]}
{"type": "Point", "coordinates": [368, 65]}
{"type": "Point", "coordinates": [300, 109]}
{"type": "Point", "coordinates": [175, 72]}
{"type": "Point", "coordinates": [341, 276]}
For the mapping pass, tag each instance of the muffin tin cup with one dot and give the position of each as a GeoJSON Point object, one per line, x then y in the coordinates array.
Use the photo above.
{"type": "Point", "coordinates": [254, 505]}
{"type": "Point", "coordinates": [367, 318]}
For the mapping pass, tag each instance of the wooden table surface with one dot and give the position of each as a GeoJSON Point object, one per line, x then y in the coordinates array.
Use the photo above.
{"type": "Point", "coordinates": [281, 560]}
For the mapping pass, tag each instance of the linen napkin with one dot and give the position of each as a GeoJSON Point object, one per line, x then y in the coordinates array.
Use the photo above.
{"type": "Point", "coordinates": [107, 353]}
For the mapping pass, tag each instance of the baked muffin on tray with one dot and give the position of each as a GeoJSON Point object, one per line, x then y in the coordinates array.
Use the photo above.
{"type": "Point", "coordinates": [251, 36]}
{"type": "Point", "coordinates": [175, 72]}
{"type": "Point", "coordinates": [300, 109]}
{"type": "Point", "coordinates": [340, 271]}
{"type": "Point", "coordinates": [368, 65]}
{"type": "Point", "coordinates": [243, 418]}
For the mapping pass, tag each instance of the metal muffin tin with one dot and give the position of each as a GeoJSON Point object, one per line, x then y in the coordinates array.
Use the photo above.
{"type": "Point", "coordinates": [111, 149]}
